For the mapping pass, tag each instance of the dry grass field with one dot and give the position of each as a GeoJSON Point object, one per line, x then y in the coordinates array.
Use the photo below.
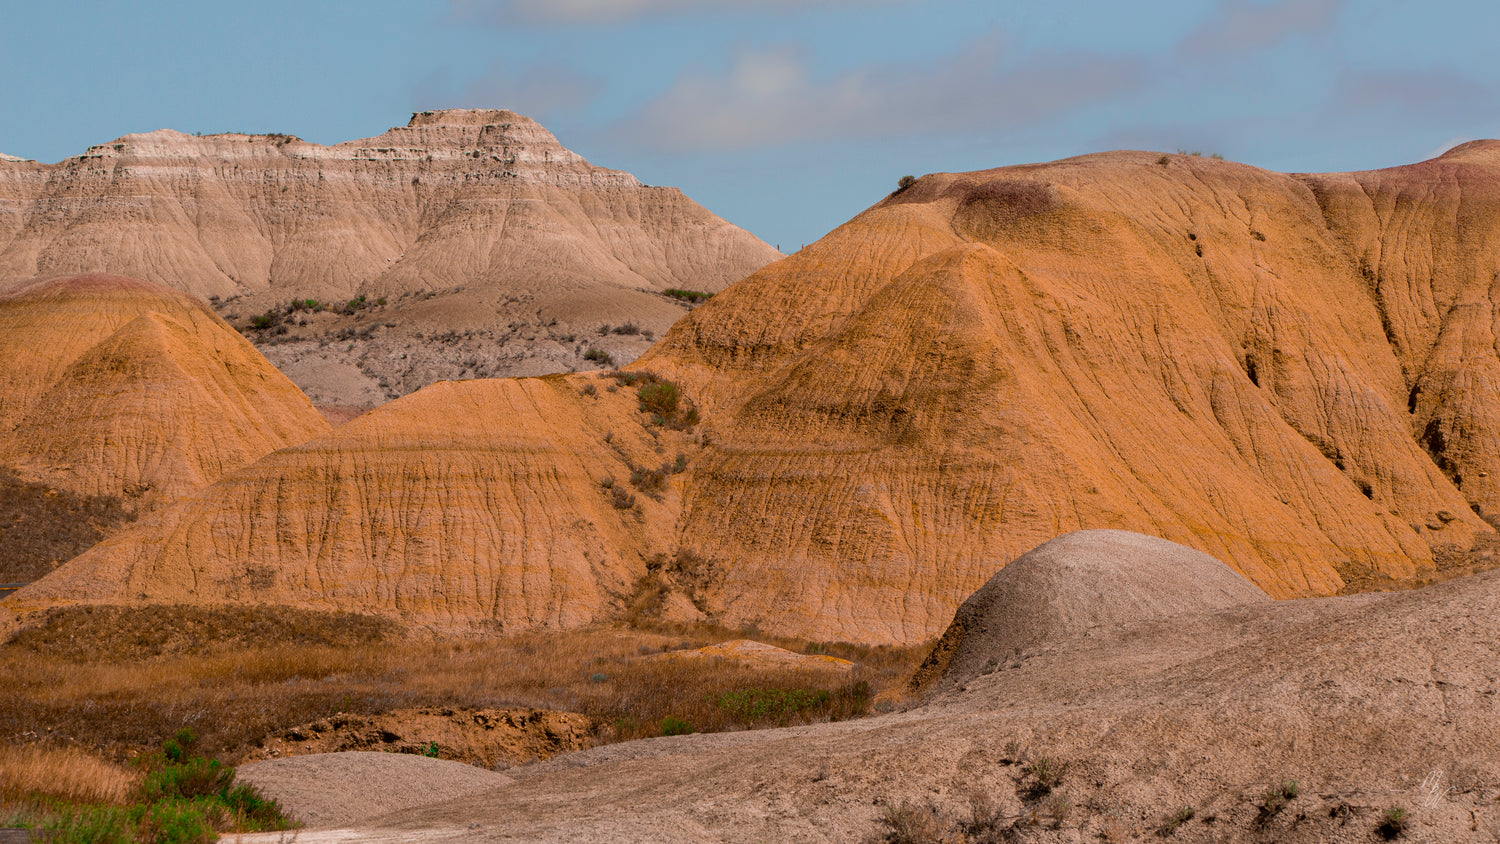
{"type": "Point", "coordinates": [118, 681]}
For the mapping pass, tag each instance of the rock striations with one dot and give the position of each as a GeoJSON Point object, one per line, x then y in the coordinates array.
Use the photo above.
{"type": "Point", "coordinates": [1284, 371]}
{"type": "Point", "coordinates": [1291, 373]}
{"type": "Point", "coordinates": [466, 221]}
{"type": "Point", "coordinates": [477, 505]}
{"type": "Point", "coordinates": [116, 386]}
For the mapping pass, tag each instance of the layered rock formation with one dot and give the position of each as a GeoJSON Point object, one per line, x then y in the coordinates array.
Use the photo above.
{"type": "Point", "coordinates": [1285, 372]}
{"type": "Point", "coordinates": [115, 386]}
{"type": "Point", "coordinates": [494, 504]}
{"type": "Point", "coordinates": [474, 223]}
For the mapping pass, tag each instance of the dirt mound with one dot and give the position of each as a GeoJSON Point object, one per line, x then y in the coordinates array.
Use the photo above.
{"type": "Point", "coordinates": [1073, 584]}
{"type": "Point", "coordinates": [1282, 371]}
{"type": "Point", "coordinates": [119, 387]}
{"type": "Point", "coordinates": [336, 789]}
{"type": "Point", "coordinates": [484, 241]}
{"type": "Point", "coordinates": [489, 738]}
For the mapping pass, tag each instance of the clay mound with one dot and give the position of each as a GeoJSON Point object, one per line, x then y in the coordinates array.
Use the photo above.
{"type": "Point", "coordinates": [1073, 584]}
{"type": "Point", "coordinates": [1286, 372]}
{"type": "Point", "coordinates": [47, 324]}
{"type": "Point", "coordinates": [124, 387]}
{"type": "Point", "coordinates": [487, 738]}
{"type": "Point", "coordinates": [761, 655]}
{"type": "Point", "coordinates": [474, 222]}
{"type": "Point", "coordinates": [335, 789]}
{"type": "Point", "coordinates": [497, 505]}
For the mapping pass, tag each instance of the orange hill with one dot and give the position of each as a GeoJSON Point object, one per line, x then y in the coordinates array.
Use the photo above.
{"type": "Point", "coordinates": [114, 385]}
{"type": "Point", "coordinates": [1283, 371]}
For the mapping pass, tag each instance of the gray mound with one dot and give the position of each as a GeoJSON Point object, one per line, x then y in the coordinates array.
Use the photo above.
{"type": "Point", "coordinates": [337, 789]}
{"type": "Point", "coordinates": [1075, 582]}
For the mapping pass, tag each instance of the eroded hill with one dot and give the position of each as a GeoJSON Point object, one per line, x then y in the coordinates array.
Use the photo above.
{"type": "Point", "coordinates": [1288, 372]}
{"type": "Point", "coordinates": [114, 386]}
{"type": "Point", "coordinates": [491, 248]}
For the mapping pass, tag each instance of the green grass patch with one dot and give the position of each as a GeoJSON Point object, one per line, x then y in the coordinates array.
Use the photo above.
{"type": "Point", "coordinates": [182, 799]}
{"type": "Point", "coordinates": [691, 296]}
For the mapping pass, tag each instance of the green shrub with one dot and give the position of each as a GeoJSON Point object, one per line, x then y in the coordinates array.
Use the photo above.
{"type": "Point", "coordinates": [1276, 798]}
{"type": "Point", "coordinates": [753, 705]}
{"type": "Point", "coordinates": [674, 726]}
{"type": "Point", "coordinates": [660, 398]}
{"type": "Point", "coordinates": [1046, 773]}
{"type": "Point", "coordinates": [691, 296]}
{"type": "Point", "coordinates": [599, 356]}
{"type": "Point", "coordinates": [1393, 823]}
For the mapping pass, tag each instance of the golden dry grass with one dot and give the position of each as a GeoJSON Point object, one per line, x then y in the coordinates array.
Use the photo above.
{"type": "Point", "coordinates": [123, 679]}
{"type": "Point", "coordinates": [35, 771]}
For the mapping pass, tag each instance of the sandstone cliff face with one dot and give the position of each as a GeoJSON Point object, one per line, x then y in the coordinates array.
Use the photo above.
{"type": "Point", "coordinates": [115, 386]}
{"type": "Point", "coordinates": [1287, 372]}
{"type": "Point", "coordinates": [469, 505]}
{"type": "Point", "coordinates": [467, 221]}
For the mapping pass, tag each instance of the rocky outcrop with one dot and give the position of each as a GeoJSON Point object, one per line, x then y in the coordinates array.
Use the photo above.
{"type": "Point", "coordinates": [118, 387]}
{"type": "Point", "coordinates": [473, 222]}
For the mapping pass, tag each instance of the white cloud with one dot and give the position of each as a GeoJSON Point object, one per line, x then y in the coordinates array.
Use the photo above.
{"type": "Point", "coordinates": [1241, 26]}
{"type": "Point", "coordinates": [615, 11]}
{"type": "Point", "coordinates": [770, 97]}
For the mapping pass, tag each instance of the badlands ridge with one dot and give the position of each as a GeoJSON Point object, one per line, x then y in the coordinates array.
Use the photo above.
{"type": "Point", "coordinates": [477, 227]}
{"type": "Point", "coordinates": [1292, 373]}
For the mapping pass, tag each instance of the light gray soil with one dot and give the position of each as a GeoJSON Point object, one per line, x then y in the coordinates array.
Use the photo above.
{"type": "Point", "coordinates": [1368, 702]}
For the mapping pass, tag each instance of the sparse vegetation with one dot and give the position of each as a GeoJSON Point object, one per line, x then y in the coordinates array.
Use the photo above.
{"type": "Point", "coordinates": [599, 356]}
{"type": "Point", "coordinates": [173, 796]}
{"type": "Point", "coordinates": [1277, 797]}
{"type": "Point", "coordinates": [621, 498]}
{"type": "Point", "coordinates": [1046, 774]}
{"type": "Point", "coordinates": [1393, 823]}
{"type": "Point", "coordinates": [1176, 820]}
{"type": "Point", "coordinates": [694, 297]}
{"type": "Point", "coordinates": [909, 822]}
{"type": "Point", "coordinates": [121, 679]}
{"type": "Point", "coordinates": [905, 182]}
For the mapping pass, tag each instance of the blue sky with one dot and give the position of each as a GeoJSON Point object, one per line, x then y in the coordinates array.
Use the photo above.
{"type": "Point", "coordinates": [784, 116]}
